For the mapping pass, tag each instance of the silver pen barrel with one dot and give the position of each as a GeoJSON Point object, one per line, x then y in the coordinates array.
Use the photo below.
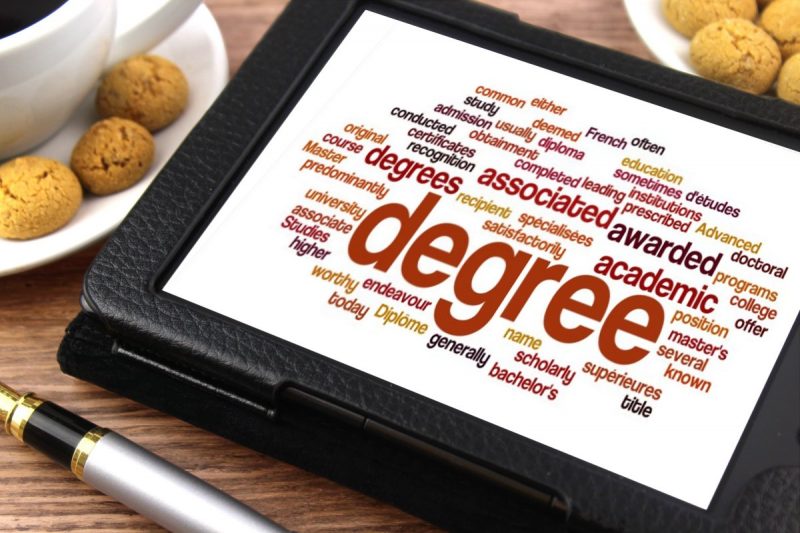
{"type": "Point", "coordinates": [169, 496]}
{"type": "Point", "coordinates": [151, 486]}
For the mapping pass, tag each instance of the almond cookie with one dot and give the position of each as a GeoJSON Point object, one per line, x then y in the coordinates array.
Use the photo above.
{"type": "Point", "coordinates": [147, 89]}
{"type": "Point", "coordinates": [789, 80]}
{"type": "Point", "coordinates": [113, 155]}
{"type": "Point", "coordinates": [690, 16]}
{"type": "Point", "coordinates": [736, 52]}
{"type": "Point", "coordinates": [37, 196]}
{"type": "Point", "coordinates": [781, 19]}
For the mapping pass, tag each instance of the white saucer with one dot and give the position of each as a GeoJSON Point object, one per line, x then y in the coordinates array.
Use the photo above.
{"type": "Point", "coordinates": [198, 49]}
{"type": "Point", "coordinates": [669, 46]}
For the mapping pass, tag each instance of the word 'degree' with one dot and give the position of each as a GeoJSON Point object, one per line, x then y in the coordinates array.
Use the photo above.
{"type": "Point", "coordinates": [489, 301]}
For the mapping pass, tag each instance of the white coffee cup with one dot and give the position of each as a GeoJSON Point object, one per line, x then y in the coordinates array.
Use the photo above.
{"type": "Point", "coordinates": [48, 68]}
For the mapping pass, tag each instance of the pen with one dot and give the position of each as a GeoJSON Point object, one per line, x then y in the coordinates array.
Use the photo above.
{"type": "Point", "coordinates": [149, 485]}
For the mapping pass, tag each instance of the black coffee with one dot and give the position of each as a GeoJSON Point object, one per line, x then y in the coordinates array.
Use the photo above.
{"type": "Point", "coordinates": [16, 15]}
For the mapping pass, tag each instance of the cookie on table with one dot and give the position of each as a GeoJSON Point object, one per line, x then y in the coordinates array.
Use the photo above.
{"type": "Point", "coordinates": [147, 89]}
{"type": "Point", "coordinates": [781, 19]}
{"type": "Point", "coordinates": [690, 16]}
{"type": "Point", "coordinates": [789, 80]}
{"type": "Point", "coordinates": [37, 197]}
{"type": "Point", "coordinates": [736, 52]}
{"type": "Point", "coordinates": [113, 155]}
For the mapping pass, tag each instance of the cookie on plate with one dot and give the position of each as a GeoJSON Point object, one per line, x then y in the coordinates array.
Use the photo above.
{"type": "Point", "coordinates": [113, 155]}
{"type": "Point", "coordinates": [781, 19]}
{"type": "Point", "coordinates": [690, 16]}
{"type": "Point", "coordinates": [738, 53]}
{"type": "Point", "coordinates": [789, 80]}
{"type": "Point", "coordinates": [147, 89]}
{"type": "Point", "coordinates": [37, 196]}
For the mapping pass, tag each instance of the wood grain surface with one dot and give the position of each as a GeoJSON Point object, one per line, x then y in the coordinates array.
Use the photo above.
{"type": "Point", "coordinates": [36, 306]}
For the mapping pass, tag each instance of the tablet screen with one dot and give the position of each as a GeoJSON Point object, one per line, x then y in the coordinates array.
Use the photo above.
{"type": "Point", "coordinates": [603, 275]}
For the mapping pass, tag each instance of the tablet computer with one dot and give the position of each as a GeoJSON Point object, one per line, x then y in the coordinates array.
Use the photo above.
{"type": "Point", "coordinates": [567, 269]}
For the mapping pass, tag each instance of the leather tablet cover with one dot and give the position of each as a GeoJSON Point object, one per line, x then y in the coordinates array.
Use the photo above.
{"type": "Point", "coordinates": [178, 359]}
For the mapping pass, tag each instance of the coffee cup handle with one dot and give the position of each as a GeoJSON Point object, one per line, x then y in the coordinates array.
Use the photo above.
{"type": "Point", "coordinates": [158, 19]}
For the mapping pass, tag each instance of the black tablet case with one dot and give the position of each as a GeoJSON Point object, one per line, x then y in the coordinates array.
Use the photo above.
{"type": "Point", "coordinates": [443, 494]}
{"type": "Point", "coordinates": [120, 348]}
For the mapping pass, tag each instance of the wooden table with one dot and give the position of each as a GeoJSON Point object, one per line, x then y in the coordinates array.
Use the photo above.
{"type": "Point", "coordinates": [36, 306]}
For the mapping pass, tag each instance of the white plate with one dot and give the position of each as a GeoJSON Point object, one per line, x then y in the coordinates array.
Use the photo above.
{"type": "Point", "coordinates": [198, 49]}
{"type": "Point", "coordinates": [669, 46]}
